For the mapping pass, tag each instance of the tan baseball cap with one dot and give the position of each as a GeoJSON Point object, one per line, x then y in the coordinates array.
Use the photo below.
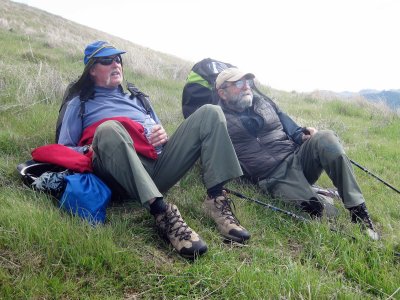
{"type": "Point", "coordinates": [231, 75]}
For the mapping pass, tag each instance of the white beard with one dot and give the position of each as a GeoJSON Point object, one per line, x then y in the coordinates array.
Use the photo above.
{"type": "Point", "coordinates": [241, 102]}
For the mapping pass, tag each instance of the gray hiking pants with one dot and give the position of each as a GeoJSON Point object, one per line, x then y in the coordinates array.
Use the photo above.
{"type": "Point", "coordinates": [292, 179]}
{"type": "Point", "coordinates": [203, 135]}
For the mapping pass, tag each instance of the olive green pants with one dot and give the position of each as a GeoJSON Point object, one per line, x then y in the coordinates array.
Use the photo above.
{"type": "Point", "coordinates": [203, 135]}
{"type": "Point", "coordinates": [292, 179]}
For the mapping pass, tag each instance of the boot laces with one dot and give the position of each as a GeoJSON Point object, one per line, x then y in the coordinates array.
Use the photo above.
{"type": "Point", "coordinates": [175, 225]}
{"type": "Point", "coordinates": [360, 213]}
{"type": "Point", "coordinates": [225, 207]}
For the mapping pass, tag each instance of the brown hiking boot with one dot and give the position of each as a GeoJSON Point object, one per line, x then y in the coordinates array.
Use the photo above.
{"type": "Point", "coordinates": [219, 209]}
{"type": "Point", "coordinates": [359, 214]}
{"type": "Point", "coordinates": [184, 239]}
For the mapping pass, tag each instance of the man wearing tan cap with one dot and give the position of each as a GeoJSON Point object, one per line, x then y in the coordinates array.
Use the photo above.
{"type": "Point", "coordinates": [282, 157]}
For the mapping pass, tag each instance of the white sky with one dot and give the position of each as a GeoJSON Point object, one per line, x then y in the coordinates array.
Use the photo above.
{"type": "Point", "coordinates": [302, 45]}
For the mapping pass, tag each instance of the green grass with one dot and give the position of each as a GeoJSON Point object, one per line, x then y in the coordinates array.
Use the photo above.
{"type": "Point", "coordinates": [47, 254]}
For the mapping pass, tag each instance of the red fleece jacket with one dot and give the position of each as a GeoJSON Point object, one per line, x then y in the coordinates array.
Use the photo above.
{"type": "Point", "coordinates": [63, 156]}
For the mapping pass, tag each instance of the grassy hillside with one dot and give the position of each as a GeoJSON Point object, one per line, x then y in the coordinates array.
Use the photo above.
{"type": "Point", "coordinates": [47, 254]}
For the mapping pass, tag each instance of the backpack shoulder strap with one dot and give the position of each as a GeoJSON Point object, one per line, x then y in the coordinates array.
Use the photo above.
{"type": "Point", "coordinates": [84, 96]}
{"type": "Point", "coordinates": [71, 92]}
{"type": "Point", "coordinates": [143, 98]}
{"type": "Point", "coordinates": [265, 97]}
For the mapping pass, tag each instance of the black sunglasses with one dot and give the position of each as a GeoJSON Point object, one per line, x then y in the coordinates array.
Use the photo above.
{"type": "Point", "coordinates": [106, 61]}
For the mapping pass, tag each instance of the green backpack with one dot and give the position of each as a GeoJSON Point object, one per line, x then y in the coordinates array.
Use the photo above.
{"type": "Point", "coordinates": [198, 89]}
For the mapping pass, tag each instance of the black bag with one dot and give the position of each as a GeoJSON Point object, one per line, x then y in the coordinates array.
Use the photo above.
{"type": "Point", "coordinates": [43, 177]}
{"type": "Point", "coordinates": [200, 82]}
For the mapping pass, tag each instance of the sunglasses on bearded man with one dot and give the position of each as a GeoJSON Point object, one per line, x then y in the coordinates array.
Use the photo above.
{"type": "Point", "coordinates": [241, 83]}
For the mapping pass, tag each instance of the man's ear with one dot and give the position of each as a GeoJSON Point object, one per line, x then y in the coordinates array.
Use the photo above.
{"type": "Point", "coordinates": [221, 94]}
{"type": "Point", "coordinates": [91, 71]}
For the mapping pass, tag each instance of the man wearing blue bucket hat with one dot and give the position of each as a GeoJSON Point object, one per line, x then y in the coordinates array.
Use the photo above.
{"type": "Point", "coordinates": [100, 49]}
{"type": "Point", "coordinates": [118, 155]}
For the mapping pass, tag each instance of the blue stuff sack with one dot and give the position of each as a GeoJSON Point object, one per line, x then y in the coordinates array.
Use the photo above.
{"type": "Point", "coordinates": [87, 196]}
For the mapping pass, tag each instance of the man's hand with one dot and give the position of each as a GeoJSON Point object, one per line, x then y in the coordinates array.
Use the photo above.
{"type": "Point", "coordinates": [158, 136]}
{"type": "Point", "coordinates": [308, 132]}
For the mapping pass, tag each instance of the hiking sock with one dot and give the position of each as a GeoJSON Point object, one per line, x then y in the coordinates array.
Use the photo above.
{"type": "Point", "coordinates": [158, 206]}
{"type": "Point", "coordinates": [215, 191]}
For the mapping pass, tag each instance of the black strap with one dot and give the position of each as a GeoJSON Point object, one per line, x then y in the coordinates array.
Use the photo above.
{"type": "Point", "coordinates": [266, 98]}
{"type": "Point", "coordinates": [84, 96]}
{"type": "Point", "coordinates": [135, 92]}
{"type": "Point", "coordinates": [143, 98]}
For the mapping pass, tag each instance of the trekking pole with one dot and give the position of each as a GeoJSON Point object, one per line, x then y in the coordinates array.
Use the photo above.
{"type": "Point", "coordinates": [274, 208]}
{"type": "Point", "coordinates": [293, 215]}
{"type": "Point", "coordinates": [373, 175]}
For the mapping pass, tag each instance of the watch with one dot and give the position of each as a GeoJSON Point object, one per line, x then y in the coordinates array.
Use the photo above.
{"type": "Point", "coordinates": [86, 149]}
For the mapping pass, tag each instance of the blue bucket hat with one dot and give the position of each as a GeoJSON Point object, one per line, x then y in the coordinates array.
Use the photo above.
{"type": "Point", "coordinates": [100, 49]}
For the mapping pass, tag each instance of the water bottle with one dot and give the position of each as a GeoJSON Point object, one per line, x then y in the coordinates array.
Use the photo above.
{"type": "Point", "coordinates": [148, 125]}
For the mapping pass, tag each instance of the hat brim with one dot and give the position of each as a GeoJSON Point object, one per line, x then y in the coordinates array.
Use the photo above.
{"type": "Point", "coordinates": [224, 76]}
{"type": "Point", "coordinates": [108, 52]}
{"type": "Point", "coordinates": [240, 76]}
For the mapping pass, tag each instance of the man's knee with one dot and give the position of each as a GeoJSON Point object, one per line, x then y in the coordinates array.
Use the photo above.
{"type": "Point", "coordinates": [213, 112]}
{"type": "Point", "coordinates": [327, 135]}
{"type": "Point", "coordinates": [108, 127]}
{"type": "Point", "coordinates": [329, 141]}
{"type": "Point", "coordinates": [111, 132]}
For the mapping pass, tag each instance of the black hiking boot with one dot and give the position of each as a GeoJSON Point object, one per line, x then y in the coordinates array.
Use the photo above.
{"type": "Point", "coordinates": [313, 207]}
{"type": "Point", "coordinates": [359, 214]}
{"type": "Point", "coordinates": [184, 239]}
